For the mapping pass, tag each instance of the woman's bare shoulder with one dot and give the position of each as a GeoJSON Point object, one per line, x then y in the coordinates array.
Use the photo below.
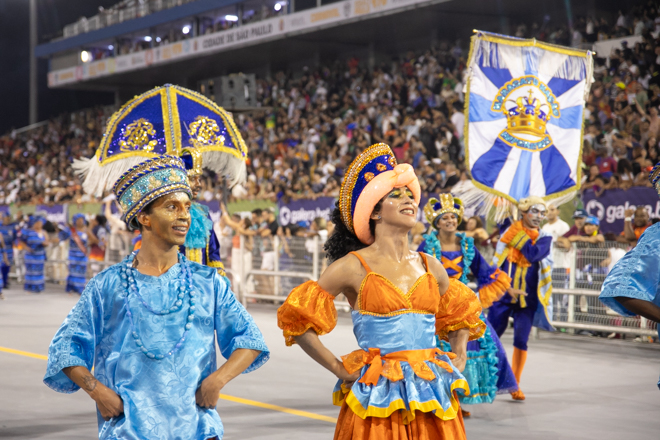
{"type": "Point", "coordinates": [436, 269]}
{"type": "Point", "coordinates": [344, 273]}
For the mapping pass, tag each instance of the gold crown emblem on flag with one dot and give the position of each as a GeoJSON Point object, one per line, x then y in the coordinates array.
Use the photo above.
{"type": "Point", "coordinates": [528, 116]}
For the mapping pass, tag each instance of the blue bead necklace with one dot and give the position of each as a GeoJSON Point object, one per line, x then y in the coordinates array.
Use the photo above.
{"type": "Point", "coordinates": [127, 273]}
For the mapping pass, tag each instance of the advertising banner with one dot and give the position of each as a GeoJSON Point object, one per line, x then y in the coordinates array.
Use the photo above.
{"type": "Point", "coordinates": [305, 210]}
{"type": "Point", "coordinates": [214, 209]}
{"type": "Point", "coordinates": [275, 27]}
{"type": "Point", "coordinates": [612, 204]}
{"type": "Point", "coordinates": [55, 214]}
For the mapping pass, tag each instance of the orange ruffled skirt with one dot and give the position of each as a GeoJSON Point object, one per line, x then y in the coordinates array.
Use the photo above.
{"type": "Point", "coordinates": [425, 426]}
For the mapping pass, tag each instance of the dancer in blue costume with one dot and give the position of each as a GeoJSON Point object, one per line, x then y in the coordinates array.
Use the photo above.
{"type": "Point", "coordinates": [524, 253]}
{"type": "Point", "coordinates": [78, 251]}
{"type": "Point", "coordinates": [7, 238]}
{"type": "Point", "coordinates": [35, 240]}
{"type": "Point", "coordinates": [202, 245]}
{"type": "Point", "coordinates": [633, 285]}
{"type": "Point", "coordinates": [487, 371]}
{"type": "Point", "coordinates": [148, 325]}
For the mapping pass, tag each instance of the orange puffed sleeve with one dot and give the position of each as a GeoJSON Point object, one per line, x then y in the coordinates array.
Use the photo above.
{"type": "Point", "coordinates": [459, 308]}
{"type": "Point", "coordinates": [308, 306]}
{"type": "Point", "coordinates": [490, 293]}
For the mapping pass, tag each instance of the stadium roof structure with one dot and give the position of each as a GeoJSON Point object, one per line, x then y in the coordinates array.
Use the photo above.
{"type": "Point", "coordinates": [365, 28]}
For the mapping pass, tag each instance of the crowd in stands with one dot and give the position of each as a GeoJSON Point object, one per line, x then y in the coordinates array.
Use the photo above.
{"type": "Point", "coordinates": [320, 118]}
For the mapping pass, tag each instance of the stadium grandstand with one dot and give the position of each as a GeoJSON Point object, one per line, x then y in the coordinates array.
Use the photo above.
{"type": "Point", "coordinates": [311, 84]}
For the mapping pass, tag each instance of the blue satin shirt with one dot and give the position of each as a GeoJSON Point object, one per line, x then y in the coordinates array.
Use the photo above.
{"type": "Point", "coordinates": [158, 395]}
{"type": "Point", "coordinates": [636, 275]}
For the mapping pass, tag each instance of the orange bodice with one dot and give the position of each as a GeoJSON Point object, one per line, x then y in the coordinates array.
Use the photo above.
{"type": "Point", "coordinates": [380, 296]}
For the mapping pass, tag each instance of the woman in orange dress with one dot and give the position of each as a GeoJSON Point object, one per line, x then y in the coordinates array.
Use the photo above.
{"type": "Point", "coordinates": [399, 385]}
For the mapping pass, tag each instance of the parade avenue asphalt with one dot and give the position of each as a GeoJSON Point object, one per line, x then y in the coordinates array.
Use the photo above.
{"type": "Point", "coordinates": [577, 387]}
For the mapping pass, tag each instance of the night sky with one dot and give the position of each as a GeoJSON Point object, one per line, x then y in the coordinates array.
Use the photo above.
{"type": "Point", "coordinates": [53, 15]}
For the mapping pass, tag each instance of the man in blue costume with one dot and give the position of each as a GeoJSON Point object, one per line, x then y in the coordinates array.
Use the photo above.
{"type": "Point", "coordinates": [633, 285]}
{"type": "Point", "coordinates": [7, 238]}
{"type": "Point", "coordinates": [202, 245]}
{"type": "Point", "coordinates": [148, 325]}
{"type": "Point", "coordinates": [523, 252]}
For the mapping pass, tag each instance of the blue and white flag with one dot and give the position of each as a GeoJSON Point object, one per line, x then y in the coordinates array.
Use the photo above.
{"type": "Point", "coordinates": [523, 134]}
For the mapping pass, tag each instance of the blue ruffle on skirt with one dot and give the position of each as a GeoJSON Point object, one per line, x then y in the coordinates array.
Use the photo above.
{"type": "Point", "coordinates": [487, 370]}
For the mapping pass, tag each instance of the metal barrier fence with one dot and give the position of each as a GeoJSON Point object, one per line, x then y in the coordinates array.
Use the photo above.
{"type": "Point", "coordinates": [577, 278]}
{"type": "Point", "coordinates": [268, 268]}
{"type": "Point", "coordinates": [56, 266]}
{"type": "Point", "coordinates": [274, 266]}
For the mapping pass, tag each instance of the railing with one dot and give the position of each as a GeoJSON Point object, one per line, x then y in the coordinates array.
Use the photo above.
{"type": "Point", "coordinates": [267, 269]}
{"type": "Point", "coordinates": [578, 275]}
{"type": "Point", "coordinates": [114, 16]}
{"type": "Point", "coordinates": [56, 266]}
{"type": "Point", "coordinates": [284, 263]}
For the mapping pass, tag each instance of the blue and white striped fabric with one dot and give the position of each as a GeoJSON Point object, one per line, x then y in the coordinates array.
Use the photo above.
{"type": "Point", "coordinates": [35, 257]}
{"type": "Point", "coordinates": [77, 278]}
{"type": "Point", "coordinates": [524, 116]}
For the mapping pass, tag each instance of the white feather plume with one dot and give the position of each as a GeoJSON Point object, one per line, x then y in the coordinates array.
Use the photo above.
{"type": "Point", "coordinates": [100, 178]}
{"type": "Point", "coordinates": [227, 165]}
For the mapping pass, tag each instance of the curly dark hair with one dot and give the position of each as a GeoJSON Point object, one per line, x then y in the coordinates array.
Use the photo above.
{"type": "Point", "coordinates": [342, 241]}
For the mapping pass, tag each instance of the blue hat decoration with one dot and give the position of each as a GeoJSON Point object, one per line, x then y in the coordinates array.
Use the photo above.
{"type": "Point", "coordinates": [34, 219]}
{"type": "Point", "coordinates": [373, 161]}
{"type": "Point", "coordinates": [75, 218]}
{"type": "Point", "coordinates": [371, 176]}
{"type": "Point", "coordinates": [164, 121]}
{"type": "Point", "coordinates": [144, 183]}
{"type": "Point", "coordinates": [654, 177]}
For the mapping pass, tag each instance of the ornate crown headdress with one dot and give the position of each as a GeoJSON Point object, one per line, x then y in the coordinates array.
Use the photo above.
{"type": "Point", "coordinates": [654, 177]}
{"type": "Point", "coordinates": [372, 175]}
{"type": "Point", "coordinates": [435, 208]}
{"type": "Point", "coordinates": [147, 181]}
{"type": "Point", "coordinates": [165, 120]}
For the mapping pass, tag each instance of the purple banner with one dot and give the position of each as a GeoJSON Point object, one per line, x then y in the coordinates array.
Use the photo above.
{"type": "Point", "coordinates": [305, 210]}
{"type": "Point", "coordinates": [214, 209]}
{"type": "Point", "coordinates": [55, 214]}
{"type": "Point", "coordinates": [4, 209]}
{"type": "Point", "coordinates": [612, 204]}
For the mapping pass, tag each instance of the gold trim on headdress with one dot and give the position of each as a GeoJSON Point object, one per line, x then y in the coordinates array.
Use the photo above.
{"type": "Point", "coordinates": [654, 177]}
{"type": "Point", "coordinates": [196, 160]}
{"type": "Point", "coordinates": [447, 205]}
{"type": "Point", "coordinates": [146, 182]}
{"type": "Point", "coordinates": [353, 173]}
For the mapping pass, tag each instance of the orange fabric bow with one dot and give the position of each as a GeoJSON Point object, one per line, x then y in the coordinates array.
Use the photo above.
{"type": "Point", "coordinates": [515, 255]}
{"type": "Point", "coordinates": [389, 365]}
